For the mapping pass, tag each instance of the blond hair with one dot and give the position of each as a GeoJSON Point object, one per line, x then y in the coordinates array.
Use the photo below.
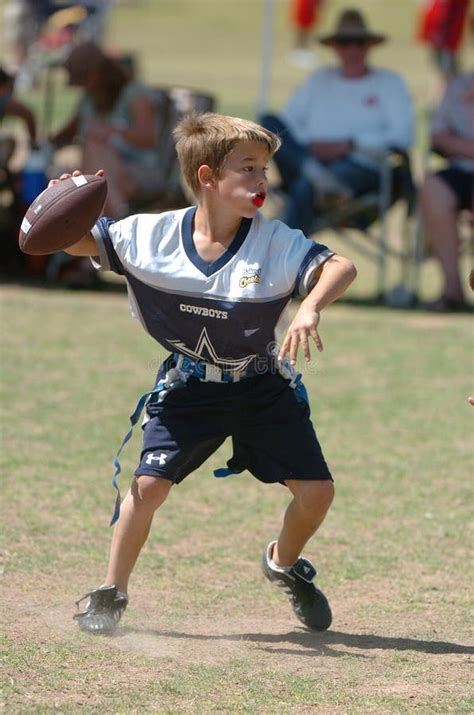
{"type": "Point", "coordinates": [209, 139]}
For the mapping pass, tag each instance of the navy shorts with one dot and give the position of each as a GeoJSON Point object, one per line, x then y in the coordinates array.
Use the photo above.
{"type": "Point", "coordinates": [270, 426]}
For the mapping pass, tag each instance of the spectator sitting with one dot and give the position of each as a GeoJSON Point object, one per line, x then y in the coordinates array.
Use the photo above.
{"type": "Point", "coordinates": [446, 192]}
{"type": "Point", "coordinates": [339, 123]}
{"type": "Point", "coordinates": [12, 261]}
{"type": "Point", "coordinates": [117, 124]}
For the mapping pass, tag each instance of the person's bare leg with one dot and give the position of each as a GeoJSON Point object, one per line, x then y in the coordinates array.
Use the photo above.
{"type": "Point", "coordinates": [439, 213]}
{"type": "Point", "coordinates": [303, 517]}
{"type": "Point", "coordinates": [132, 529]}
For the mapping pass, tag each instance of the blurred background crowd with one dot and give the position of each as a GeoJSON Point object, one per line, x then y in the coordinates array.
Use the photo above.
{"type": "Point", "coordinates": [101, 84]}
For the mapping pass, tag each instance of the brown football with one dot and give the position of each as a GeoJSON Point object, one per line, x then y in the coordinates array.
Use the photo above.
{"type": "Point", "coordinates": [62, 214]}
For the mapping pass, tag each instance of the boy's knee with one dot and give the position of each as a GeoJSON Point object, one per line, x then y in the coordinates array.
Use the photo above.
{"type": "Point", "coordinates": [322, 494]}
{"type": "Point", "coordinates": [314, 496]}
{"type": "Point", "coordinates": [151, 490]}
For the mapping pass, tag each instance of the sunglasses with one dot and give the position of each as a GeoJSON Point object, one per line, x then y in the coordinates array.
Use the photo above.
{"type": "Point", "coordinates": [347, 41]}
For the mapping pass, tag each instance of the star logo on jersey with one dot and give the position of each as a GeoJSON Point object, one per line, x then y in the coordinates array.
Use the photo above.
{"type": "Point", "coordinates": [205, 351]}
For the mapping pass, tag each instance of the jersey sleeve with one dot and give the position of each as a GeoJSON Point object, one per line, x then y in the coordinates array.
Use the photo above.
{"type": "Point", "coordinates": [305, 279]}
{"type": "Point", "coordinates": [298, 258]}
{"type": "Point", "coordinates": [115, 241]}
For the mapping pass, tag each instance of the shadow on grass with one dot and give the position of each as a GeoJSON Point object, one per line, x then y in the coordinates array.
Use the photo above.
{"type": "Point", "coordinates": [318, 643]}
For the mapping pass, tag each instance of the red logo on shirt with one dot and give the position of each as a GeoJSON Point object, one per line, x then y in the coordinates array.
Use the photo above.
{"type": "Point", "coordinates": [371, 100]}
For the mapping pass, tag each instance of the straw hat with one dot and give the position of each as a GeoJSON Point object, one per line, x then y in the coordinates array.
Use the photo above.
{"type": "Point", "coordinates": [68, 16]}
{"type": "Point", "coordinates": [351, 25]}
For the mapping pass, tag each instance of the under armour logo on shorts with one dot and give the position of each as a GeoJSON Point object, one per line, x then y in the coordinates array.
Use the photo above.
{"type": "Point", "coordinates": [161, 458]}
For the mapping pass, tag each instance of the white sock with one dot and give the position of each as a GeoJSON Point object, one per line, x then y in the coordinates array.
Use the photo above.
{"type": "Point", "coordinates": [119, 593]}
{"type": "Point", "coordinates": [277, 567]}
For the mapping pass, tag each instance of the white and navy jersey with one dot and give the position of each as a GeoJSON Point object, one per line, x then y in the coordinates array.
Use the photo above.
{"type": "Point", "coordinates": [226, 312]}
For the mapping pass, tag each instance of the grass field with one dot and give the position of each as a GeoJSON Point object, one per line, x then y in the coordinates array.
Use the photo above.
{"type": "Point", "coordinates": [205, 632]}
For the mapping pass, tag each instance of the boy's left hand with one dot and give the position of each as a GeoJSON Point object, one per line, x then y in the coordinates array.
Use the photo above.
{"type": "Point", "coordinates": [303, 326]}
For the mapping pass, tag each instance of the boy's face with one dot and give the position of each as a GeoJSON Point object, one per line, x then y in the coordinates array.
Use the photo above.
{"type": "Point", "coordinates": [242, 184]}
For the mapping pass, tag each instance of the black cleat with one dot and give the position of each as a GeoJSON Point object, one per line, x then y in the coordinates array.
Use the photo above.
{"type": "Point", "coordinates": [103, 610]}
{"type": "Point", "coordinates": [310, 604]}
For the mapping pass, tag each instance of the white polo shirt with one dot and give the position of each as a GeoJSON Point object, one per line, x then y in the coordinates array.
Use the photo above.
{"type": "Point", "coordinates": [375, 110]}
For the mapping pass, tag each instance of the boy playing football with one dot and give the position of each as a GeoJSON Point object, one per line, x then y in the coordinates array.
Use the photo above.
{"type": "Point", "coordinates": [210, 283]}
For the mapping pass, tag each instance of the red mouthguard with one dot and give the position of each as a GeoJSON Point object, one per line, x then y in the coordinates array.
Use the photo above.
{"type": "Point", "coordinates": [258, 199]}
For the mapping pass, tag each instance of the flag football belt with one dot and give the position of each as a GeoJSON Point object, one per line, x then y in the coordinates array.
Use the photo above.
{"type": "Point", "coordinates": [175, 378]}
{"type": "Point", "coordinates": [206, 372]}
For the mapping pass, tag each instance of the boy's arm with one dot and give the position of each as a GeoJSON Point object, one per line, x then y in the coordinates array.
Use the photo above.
{"type": "Point", "coordinates": [332, 279]}
{"type": "Point", "coordinates": [87, 246]}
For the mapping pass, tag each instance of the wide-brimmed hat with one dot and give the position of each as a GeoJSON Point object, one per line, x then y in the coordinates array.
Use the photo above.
{"type": "Point", "coordinates": [351, 25]}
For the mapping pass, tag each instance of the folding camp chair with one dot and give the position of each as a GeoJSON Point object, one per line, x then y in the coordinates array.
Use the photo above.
{"type": "Point", "coordinates": [364, 223]}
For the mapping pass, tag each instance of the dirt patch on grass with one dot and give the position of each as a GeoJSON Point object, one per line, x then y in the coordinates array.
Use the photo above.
{"type": "Point", "coordinates": [380, 654]}
{"type": "Point", "coordinates": [204, 631]}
